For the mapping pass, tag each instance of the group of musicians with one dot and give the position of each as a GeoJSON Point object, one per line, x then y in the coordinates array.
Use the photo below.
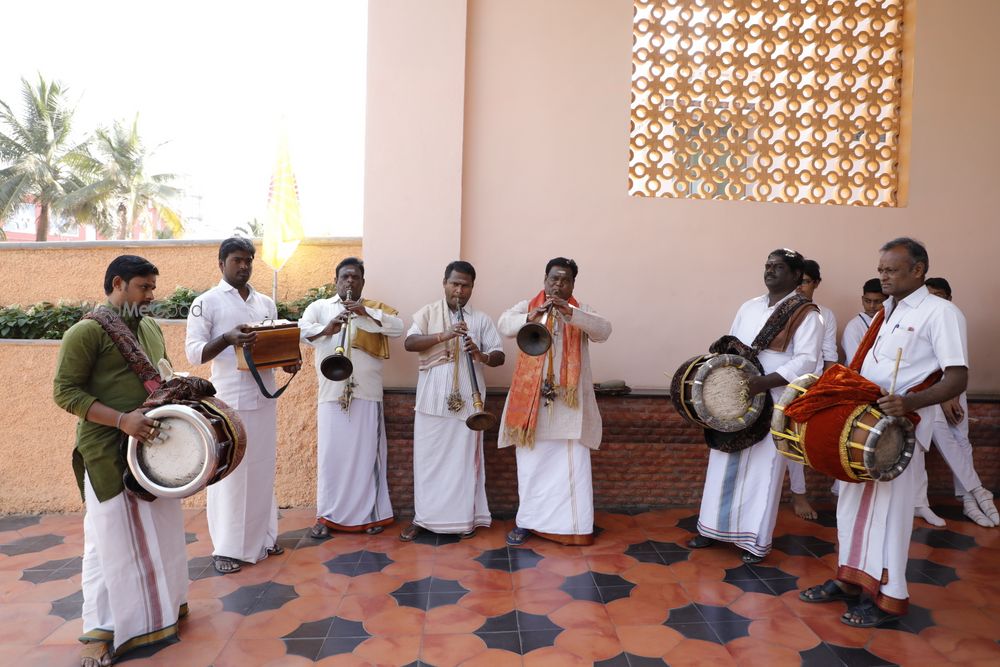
{"type": "Point", "coordinates": [134, 571]}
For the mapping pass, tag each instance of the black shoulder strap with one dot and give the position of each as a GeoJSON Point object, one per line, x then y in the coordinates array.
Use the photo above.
{"type": "Point", "coordinates": [256, 376]}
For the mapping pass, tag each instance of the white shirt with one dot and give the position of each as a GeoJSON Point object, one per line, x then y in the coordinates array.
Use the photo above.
{"type": "Point", "coordinates": [830, 353]}
{"type": "Point", "coordinates": [434, 384]}
{"type": "Point", "coordinates": [931, 333]}
{"type": "Point", "coordinates": [367, 373]}
{"type": "Point", "coordinates": [802, 354]}
{"type": "Point", "coordinates": [853, 333]}
{"type": "Point", "coordinates": [212, 314]}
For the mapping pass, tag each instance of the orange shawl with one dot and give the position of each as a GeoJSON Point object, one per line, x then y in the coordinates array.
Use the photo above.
{"type": "Point", "coordinates": [526, 385]}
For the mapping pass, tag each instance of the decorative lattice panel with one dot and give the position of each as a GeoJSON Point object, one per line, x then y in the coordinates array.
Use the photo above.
{"type": "Point", "coordinates": [767, 100]}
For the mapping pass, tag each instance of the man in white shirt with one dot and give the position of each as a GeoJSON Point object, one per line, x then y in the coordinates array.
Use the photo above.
{"type": "Point", "coordinates": [551, 413]}
{"type": "Point", "coordinates": [449, 474]}
{"type": "Point", "coordinates": [811, 279]}
{"type": "Point", "coordinates": [242, 509]}
{"type": "Point", "coordinates": [951, 436]}
{"type": "Point", "coordinates": [875, 519]}
{"type": "Point", "coordinates": [352, 490]}
{"type": "Point", "coordinates": [855, 329]}
{"type": "Point", "coordinates": [743, 488]}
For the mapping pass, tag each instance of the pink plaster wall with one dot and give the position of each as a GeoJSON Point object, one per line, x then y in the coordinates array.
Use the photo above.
{"type": "Point", "coordinates": [543, 173]}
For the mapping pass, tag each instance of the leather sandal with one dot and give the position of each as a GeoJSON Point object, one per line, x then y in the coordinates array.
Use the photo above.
{"type": "Point", "coordinates": [226, 565]}
{"type": "Point", "coordinates": [374, 530]}
{"type": "Point", "coordinates": [867, 615]}
{"type": "Point", "coordinates": [95, 654]}
{"type": "Point", "coordinates": [410, 533]}
{"type": "Point", "coordinates": [275, 550]}
{"type": "Point", "coordinates": [700, 542]}
{"type": "Point", "coordinates": [320, 531]}
{"type": "Point", "coordinates": [751, 558]}
{"type": "Point", "coordinates": [828, 591]}
{"type": "Point", "coordinates": [518, 536]}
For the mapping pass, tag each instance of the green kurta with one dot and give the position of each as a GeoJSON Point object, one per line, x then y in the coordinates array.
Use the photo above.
{"type": "Point", "coordinates": [90, 368]}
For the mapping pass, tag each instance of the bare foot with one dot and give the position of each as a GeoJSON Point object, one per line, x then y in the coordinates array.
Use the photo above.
{"type": "Point", "coordinates": [95, 654]}
{"type": "Point", "coordinates": [802, 508]}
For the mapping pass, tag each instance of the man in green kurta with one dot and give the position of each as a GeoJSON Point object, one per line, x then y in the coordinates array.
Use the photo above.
{"type": "Point", "coordinates": [134, 561]}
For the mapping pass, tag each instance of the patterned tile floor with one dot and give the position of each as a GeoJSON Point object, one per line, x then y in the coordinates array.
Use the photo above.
{"type": "Point", "coordinates": [636, 597]}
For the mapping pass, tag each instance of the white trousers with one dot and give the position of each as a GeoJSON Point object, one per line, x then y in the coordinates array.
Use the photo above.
{"type": "Point", "coordinates": [956, 450]}
{"type": "Point", "coordinates": [555, 489]}
{"type": "Point", "coordinates": [351, 486]}
{"type": "Point", "coordinates": [796, 477]}
{"type": "Point", "coordinates": [135, 578]}
{"type": "Point", "coordinates": [242, 509]}
{"type": "Point", "coordinates": [449, 475]}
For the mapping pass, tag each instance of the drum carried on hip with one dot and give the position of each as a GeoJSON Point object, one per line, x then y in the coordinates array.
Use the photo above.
{"type": "Point", "coordinates": [851, 441]}
{"type": "Point", "coordinates": [204, 441]}
{"type": "Point", "coordinates": [710, 390]}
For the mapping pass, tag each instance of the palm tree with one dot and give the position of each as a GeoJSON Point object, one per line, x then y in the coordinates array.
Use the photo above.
{"type": "Point", "coordinates": [118, 193]}
{"type": "Point", "coordinates": [34, 150]}
{"type": "Point", "coordinates": [250, 229]}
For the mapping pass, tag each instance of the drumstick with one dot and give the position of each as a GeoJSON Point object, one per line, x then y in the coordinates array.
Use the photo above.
{"type": "Point", "coordinates": [895, 371]}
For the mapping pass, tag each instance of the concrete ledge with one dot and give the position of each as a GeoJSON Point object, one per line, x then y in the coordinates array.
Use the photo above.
{"type": "Point", "coordinates": [165, 243]}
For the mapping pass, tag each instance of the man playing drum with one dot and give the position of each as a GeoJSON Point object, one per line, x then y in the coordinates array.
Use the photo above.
{"type": "Point", "coordinates": [352, 490]}
{"type": "Point", "coordinates": [242, 509]}
{"type": "Point", "coordinates": [135, 579]}
{"type": "Point", "coordinates": [449, 473]}
{"type": "Point", "coordinates": [743, 488]}
{"type": "Point", "coordinates": [915, 338]}
{"type": "Point", "coordinates": [551, 413]}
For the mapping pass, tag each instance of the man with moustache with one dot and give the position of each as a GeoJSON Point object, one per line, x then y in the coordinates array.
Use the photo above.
{"type": "Point", "coordinates": [875, 519]}
{"type": "Point", "coordinates": [743, 488]}
{"type": "Point", "coordinates": [551, 413]}
{"type": "Point", "coordinates": [352, 489]}
{"type": "Point", "coordinates": [449, 474]}
{"type": "Point", "coordinates": [242, 509]}
{"type": "Point", "coordinates": [135, 578]}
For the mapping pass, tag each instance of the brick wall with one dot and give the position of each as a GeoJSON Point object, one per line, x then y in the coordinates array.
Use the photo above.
{"type": "Point", "coordinates": [649, 456]}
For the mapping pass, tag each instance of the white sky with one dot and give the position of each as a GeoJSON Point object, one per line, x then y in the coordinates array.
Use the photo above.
{"type": "Point", "coordinates": [216, 80]}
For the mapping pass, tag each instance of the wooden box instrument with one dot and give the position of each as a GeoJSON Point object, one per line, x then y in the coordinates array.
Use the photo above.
{"type": "Point", "coordinates": [277, 345]}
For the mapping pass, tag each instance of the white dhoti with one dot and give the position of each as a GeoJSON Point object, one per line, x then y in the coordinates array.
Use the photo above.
{"type": "Point", "coordinates": [555, 490]}
{"type": "Point", "coordinates": [449, 476]}
{"type": "Point", "coordinates": [874, 523]}
{"type": "Point", "coordinates": [135, 578]}
{"type": "Point", "coordinates": [242, 510]}
{"type": "Point", "coordinates": [352, 492]}
{"type": "Point", "coordinates": [741, 496]}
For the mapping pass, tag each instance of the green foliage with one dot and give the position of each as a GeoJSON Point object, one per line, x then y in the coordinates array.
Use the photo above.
{"type": "Point", "coordinates": [49, 321]}
{"type": "Point", "coordinates": [293, 310]}
{"type": "Point", "coordinates": [176, 306]}
{"type": "Point", "coordinates": [42, 321]}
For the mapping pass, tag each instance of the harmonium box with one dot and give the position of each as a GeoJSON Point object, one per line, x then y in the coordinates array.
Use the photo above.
{"type": "Point", "coordinates": [277, 345]}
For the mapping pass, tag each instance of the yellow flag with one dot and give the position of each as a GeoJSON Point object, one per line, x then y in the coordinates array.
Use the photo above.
{"type": "Point", "coordinates": [283, 223]}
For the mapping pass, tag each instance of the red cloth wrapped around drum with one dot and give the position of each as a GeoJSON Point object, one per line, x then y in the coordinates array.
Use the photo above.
{"type": "Point", "coordinates": [830, 423]}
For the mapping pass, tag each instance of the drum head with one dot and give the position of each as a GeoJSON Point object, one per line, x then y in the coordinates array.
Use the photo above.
{"type": "Point", "coordinates": [180, 459]}
{"type": "Point", "coordinates": [183, 462]}
{"type": "Point", "coordinates": [719, 393]}
{"type": "Point", "coordinates": [889, 448]}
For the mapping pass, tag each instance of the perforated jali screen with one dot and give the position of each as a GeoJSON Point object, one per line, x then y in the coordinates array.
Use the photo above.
{"type": "Point", "coordinates": [767, 100]}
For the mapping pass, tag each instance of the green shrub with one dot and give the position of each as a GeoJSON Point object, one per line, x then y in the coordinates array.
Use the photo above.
{"type": "Point", "coordinates": [49, 321]}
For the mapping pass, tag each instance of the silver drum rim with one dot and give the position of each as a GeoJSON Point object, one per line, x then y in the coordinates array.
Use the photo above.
{"type": "Point", "coordinates": [203, 427]}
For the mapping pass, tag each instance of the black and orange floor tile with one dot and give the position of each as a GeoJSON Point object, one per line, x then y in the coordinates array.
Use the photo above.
{"type": "Point", "coordinates": [638, 596]}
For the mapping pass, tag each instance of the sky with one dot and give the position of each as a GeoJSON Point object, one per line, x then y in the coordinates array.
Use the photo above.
{"type": "Point", "coordinates": [214, 83]}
